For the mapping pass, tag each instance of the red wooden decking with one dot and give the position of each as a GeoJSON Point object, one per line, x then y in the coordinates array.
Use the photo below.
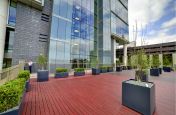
{"type": "Point", "coordinates": [91, 95]}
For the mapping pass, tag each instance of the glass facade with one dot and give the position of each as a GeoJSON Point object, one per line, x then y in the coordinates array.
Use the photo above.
{"type": "Point", "coordinates": [119, 18]}
{"type": "Point", "coordinates": [81, 31]}
{"type": "Point", "coordinates": [72, 42]}
{"type": "Point", "coordinates": [12, 13]}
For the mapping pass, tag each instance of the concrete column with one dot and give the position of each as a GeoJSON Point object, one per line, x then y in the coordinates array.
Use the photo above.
{"type": "Point", "coordinates": [3, 22]}
{"type": "Point", "coordinates": [125, 57]}
{"type": "Point", "coordinates": [174, 59]}
{"type": "Point", "coordinates": [161, 59]}
{"type": "Point", "coordinates": [151, 59]}
{"type": "Point", "coordinates": [114, 51]}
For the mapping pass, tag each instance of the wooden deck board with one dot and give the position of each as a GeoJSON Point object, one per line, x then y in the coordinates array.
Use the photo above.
{"type": "Point", "coordinates": [91, 95]}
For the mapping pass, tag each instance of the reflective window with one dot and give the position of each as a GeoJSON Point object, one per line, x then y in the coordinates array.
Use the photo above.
{"type": "Point", "coordinates": [62, 29]}
{"type": "Point", "coordinates": [73, 26]}
{"type": "Point", "coordinates": [54, 27]}
{"type": "Point", "coordinates": [12, 13]}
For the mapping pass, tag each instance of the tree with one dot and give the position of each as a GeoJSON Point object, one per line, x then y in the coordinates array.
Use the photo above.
{"type": "Point", "coordinates": [156, 62]}
{"type": "Point", "coordinates": [139, 59]}
{"type": "Point", "coordinates": [42, 61]}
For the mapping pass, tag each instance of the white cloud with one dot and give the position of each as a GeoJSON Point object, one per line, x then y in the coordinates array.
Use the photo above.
{"type": "Point", "coordinates": [161, 39]}
{"type": "Point", "coordinates": [146, 12]}
{"type": "Point", "coordinates": [169, 23]}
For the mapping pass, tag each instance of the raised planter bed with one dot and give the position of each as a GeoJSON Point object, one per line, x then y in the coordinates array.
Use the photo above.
{"type": "Point", "coordinates": [119, 69]}
{"type": "Point", "coordinates": [13, 105]}
{"type": "Point", "coordinates": [61, 75]}
{"type": "Point", "coordinates": [167, 69]}
{"type": "Point", "coordinates": [15, 110]}
{"type": "Point", "coordinates": [154, 72]}
{"type": "Point", "coordinates": [103, 70]}
{"type": "Point", "coordinates": [95, 71]}
{"type": "Point", "coordinates": [27, 85]}
{"type": "Point", "coordinates": [129, 67]}
{"type": "Point", "coordinates": [42, 75]}
{"type": "Point", "coordinates": [124, 67]}
{"type": "Point", "coordinates": [144, 76]}
{"type": "Point", "coordinates": [160, 70]}
{"type": "Point", "coordinates": [79, 73]}
{"type": "Point", "coordinates": [139, 96]}
{"type": "Point", "coordinates": [110, 69]}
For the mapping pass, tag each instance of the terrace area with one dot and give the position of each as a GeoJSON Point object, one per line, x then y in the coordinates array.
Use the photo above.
{"type": "Point", "coordinates": [94, 95]}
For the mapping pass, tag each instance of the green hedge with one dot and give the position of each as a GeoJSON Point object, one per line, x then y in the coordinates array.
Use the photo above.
{"type": "Point", "coordinates": [59, 70]}
{"type": "Point", "coordinates": [11, 93]}
{"type": "Point", "coordinates": [24, 74]}
{"type": "Point", "coordinates": [79, 69]}
{"type": "Point", "coordinates": [103, 67]}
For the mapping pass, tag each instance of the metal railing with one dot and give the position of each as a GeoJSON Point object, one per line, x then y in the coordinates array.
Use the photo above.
{"type": "Point", "coordinates": [10, 73]}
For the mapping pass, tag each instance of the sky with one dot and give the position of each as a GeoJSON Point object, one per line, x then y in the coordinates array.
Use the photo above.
{"type": "Point", "coordinates": [155, 20]}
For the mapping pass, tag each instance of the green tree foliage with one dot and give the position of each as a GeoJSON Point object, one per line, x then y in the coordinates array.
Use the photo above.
{"type": "Point", "coordinates": [156, 62]}
{"type": "Point", "coordinates": [139, 59]}
{"type": "Point", "coordinates": [42, 61]}
{"type": "Point", "coordinates": [167, 61]}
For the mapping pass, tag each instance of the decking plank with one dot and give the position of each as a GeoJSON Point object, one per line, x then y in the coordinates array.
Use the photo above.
{"type": "Point", "coordinates": [91, 95]}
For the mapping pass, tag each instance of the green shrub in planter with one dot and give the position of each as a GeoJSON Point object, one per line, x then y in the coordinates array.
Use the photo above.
{"type": "Point", "coordinates": [103, 69]}
{"type": "Point", "coordinates": [24, 74]}
{"type": "Point", "coordinates": [79, 69]}
{"type": "Point", "coordinates": [11, 93]}
{"type": "Point", "coordinates": [79, 72]}
{"type": "Point", "coordinates": [59, 70]}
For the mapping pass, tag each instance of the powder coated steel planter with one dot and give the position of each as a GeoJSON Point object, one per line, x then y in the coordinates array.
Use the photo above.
{"type": "Point", "coordinates": [95, 71]}
{"type": "Point", "coordinates": [110, 69]}
{"type": "Point", "coordinates": [103, 70]}
{"type": "Point", "coordinates": [61, 75]}
{"type": "Point", "coordinates": [139, 97]}
{"type": "Point", "coordinates": [79, 73]}
{"type": "Point", "coordinates": [42, 75]}
{"type": "Point", "coordinates": [167, 69]}
{"type": "Point", "coordinates": [118, 69]}
{"type": "Point", "coordinates": [154, 72]}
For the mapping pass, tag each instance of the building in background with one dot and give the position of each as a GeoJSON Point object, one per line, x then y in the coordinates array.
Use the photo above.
{"type": "Point", "coordinates": [71, 33]}
{"type": "Point", "coordinates": [163, 50]}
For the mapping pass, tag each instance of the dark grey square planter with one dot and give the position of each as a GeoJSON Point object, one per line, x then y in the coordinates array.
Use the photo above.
{"type": "Point", "coordinates": [139, 97]}
{"type": "Point", "coordinates": [110, 69]}
{"type": "Point", "coordinates": [119, 69]}
{"type": "Point", "coordinates": [16, 110]}
{"type": "Point", "coordinates": [79, 73]}
{"type": "Point", "coordinates": [42, 75]}
{"type": "Point", "coordinates": [95, 71]}
{"type": "Point", "coordinates": [103, 70]}
{"type": "Point", "coordinates": [144, 76]}
{"type": "Point", "coordinates": [167, 69]}
{"type": "Point", "coordinates": [27, 85]}
{"type": "Point", "coordinates": [160, 70]}
{"type": "Point", "coordinates": [61, 75]}
{"type": "Point", "coordinates": [124, 67]}
{"type": "Point", "coordinates": [154, 72]}
{"type": "Point", "coordinates": [129, 67]}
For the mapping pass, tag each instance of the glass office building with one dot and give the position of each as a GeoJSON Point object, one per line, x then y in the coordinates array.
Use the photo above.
{"type": "Point", "coordinates": [84, 31]}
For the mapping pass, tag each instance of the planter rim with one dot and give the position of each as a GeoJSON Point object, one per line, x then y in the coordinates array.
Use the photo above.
{"type": "Point", "coordinates": [61, 72]}
{"type": "Point", "coordinates": [11, 109]}
{"type": "Point", "coordinates": [142, 84]}
{"type": "Point", "coordinates": [42, 70]}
